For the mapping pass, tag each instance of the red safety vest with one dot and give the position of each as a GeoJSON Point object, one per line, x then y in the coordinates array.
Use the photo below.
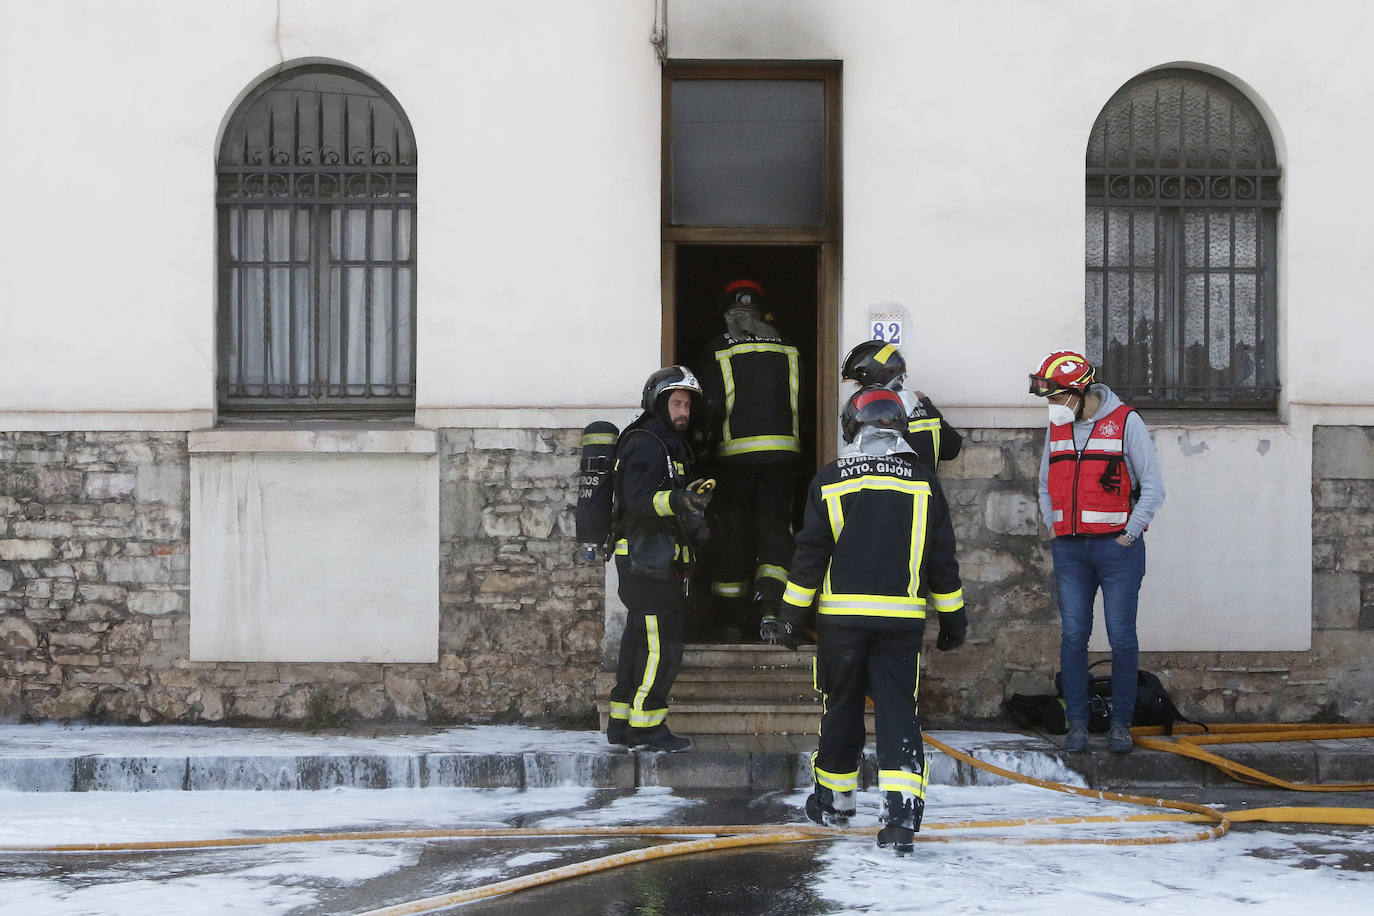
{"type": "Point", "coordinates": [1090, 491]}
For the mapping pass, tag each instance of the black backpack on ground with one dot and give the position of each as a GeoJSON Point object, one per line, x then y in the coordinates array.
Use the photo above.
{"type": "Point", "coordinates": [1153, 705]}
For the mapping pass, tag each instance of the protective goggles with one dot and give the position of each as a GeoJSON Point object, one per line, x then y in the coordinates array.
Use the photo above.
{"type": "Point", "coordinates": [1042, 387]}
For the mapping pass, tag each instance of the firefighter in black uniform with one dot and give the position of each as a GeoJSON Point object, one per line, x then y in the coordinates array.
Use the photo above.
{"type": "Point", "coordinates": [659, 526]}
{"type": "Point", "coordinates": [751, 376]}
{"type": "Point", "coordinates": [875, 363]}
{"type": "Point", "coordinates": [878, 545]}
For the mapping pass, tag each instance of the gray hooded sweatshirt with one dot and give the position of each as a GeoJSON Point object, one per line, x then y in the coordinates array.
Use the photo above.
{"type": "Point", "coordinates": [1142, 463]}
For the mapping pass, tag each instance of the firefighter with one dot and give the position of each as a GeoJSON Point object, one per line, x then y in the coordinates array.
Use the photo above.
{"type": "Point", "coordinates": [660, 526]}
{"type": "Point", "coordinates": [1100, 486]}
{"type": "Point", "coordinates": [751, 376]}
{"type": "Point", "coordinates": [878, 544]}
{"type": "Point", "coordinates": [875, 363]}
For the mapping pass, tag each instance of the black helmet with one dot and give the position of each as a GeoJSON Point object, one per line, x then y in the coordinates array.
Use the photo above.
{"type": "Point", "coordinates": [669, 378]}
{"type": "Point", "coordinates": [872, 406]}
{"type": "Point", "coordinates": [874, 362]}
{"type": "Point", "coordinates": [742, 294]}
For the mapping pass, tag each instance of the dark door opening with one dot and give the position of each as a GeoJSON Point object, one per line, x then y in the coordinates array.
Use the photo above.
{"type": "Point", "coordinates": [789, 276]}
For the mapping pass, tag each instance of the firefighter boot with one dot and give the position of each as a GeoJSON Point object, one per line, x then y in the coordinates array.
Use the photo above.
{"type": "Point", "coordinates": [658, 738]}
{"type": "Point", "coordinates": [902, 818]}
{"type": "Point", "coordinates": [618, 733]}
{"type": "Point", "coordinates": [830, 808]}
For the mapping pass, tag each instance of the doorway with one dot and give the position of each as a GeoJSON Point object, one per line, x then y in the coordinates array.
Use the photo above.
{"type": "Point", "coordinates": [787, 274]}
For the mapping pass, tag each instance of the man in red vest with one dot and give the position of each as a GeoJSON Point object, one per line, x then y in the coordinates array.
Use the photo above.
{"type": "Point", "coordinates": [1099, 488]}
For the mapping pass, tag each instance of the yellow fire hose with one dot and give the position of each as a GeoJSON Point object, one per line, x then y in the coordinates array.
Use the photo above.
{"type": "Point", "coordinates": [1187, 738]}
{"type": "Point", "coordinates": [736, 836]}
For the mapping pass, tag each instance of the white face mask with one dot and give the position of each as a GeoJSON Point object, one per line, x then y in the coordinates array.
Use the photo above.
{"type": "Point", "coordinates": [1061, 414]}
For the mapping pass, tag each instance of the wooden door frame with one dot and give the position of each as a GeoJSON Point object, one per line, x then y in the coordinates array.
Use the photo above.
{"type": "Point", "coordinates": [826, 239]}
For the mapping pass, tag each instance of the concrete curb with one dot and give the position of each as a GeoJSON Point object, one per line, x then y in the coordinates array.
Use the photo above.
{"type": "Point", "coordinates": [98, 760]}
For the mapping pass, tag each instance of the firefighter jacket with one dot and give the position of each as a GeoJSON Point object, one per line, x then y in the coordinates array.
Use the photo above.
{"type": "Point", "coordinates": [1090, 489]}
{"type": "Point", "coordinates": [876, 549]}
{"type": "Point", "coordinates": [930, 437]}
{"type": "Point", "coordinates": [652, 463]}
{"type": "Point", "coordinates": [752, 391]}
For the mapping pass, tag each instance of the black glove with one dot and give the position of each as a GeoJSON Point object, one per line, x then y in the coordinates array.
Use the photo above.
{"type": "Point", "coordinates": [781, 624]}
{"type": "Point", "coordinates": [953, 629]}
{"type": "Point", "coordinates": [695, 498]}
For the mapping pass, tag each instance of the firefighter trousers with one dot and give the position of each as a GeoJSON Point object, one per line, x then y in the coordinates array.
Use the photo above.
{"type": "Point", "coordinates": [854, 663]}
{"type": "Point", "coordinates": [650, 649]}
{"type": "Point", "coordinates": [752, 538]}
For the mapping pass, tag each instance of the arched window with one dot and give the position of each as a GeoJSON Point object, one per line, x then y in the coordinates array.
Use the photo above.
{"type": "Point", "coordinates": [315, 195]}
{"type": "Point", "coordinates": [1181, 248]}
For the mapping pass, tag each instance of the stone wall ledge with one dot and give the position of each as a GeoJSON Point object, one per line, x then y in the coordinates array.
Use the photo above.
{"type": "Point", "coordinates": [407, 441]}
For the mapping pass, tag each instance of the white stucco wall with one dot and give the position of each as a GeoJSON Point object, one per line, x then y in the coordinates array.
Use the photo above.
{"type": "Point", "coordinates": [538, 132]}
{"type": "Point", "coordinates": [964, 125]}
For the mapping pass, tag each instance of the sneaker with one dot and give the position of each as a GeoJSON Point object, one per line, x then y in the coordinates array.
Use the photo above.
{"type": "Point", "coordinates": [617, 733]}
{"type": "Point", "coordinates": [658, 738]}
{"type": "Point", "coordinates": [1076, 741]}
{"type": "Point", "coordinates": [1119, 739]}
{"type": "Point", "coordinates": [898, 837]}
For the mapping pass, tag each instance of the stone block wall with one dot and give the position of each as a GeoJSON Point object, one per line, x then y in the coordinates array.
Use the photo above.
{"type": "Point", "coordinates": [94, 616]}
{"type": "Point", "coordinates": [1014, 633]}
{"type": "Point", "coordinates": [94, 583]}
{"type": "Point", "coordinates": [94, 574]}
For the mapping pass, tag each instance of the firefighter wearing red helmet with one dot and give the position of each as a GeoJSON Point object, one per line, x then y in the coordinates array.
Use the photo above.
{"type": "Point", "coordinates": [876, 557]}
{"type": "Point", "coordinates": [1099, 488]}
{"type": "Point", "coordinates": [752, 378]}
{"type": "Point", "coordinates": [875, 362]}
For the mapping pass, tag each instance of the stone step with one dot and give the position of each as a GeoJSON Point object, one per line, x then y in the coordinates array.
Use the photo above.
{"type": "Point", "coordinates": [783, 685]}
{"type": "Point", "coordinates": [737, 657]}
{"type": "Point", "coordinates": [741, 718]}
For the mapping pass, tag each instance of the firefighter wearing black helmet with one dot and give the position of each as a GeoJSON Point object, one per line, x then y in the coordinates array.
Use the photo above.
{"type": "Point", "coordinates": [876, 556]}
{"type": "Point", "coordinates": [751, 376]}
{"type": "Point", "coordinates": [660, 527]}
{"type": "Point", "coordinates": [879, 364]}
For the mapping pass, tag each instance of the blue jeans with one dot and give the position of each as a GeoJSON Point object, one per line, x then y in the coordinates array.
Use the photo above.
{"type": "Point", "coordinates": [1082, 565]}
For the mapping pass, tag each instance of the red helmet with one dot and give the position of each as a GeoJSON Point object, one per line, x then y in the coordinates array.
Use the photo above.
{"type": "Point", "coordinates": [1062, 370]}
{"type": "Point", "coordinates": [879, 407]}
{"type": "Point", "coordinates": [742, 294]}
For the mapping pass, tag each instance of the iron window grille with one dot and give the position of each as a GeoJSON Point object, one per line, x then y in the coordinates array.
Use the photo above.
{"type": "Point", "coordinates": [315, 195]}
{"type": "Point", "coordinates": [1181, 245]}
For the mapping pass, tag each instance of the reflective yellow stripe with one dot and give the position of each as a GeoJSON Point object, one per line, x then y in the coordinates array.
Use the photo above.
{"type": "Point", "coordinates": [863, 605]}
{"type": "Point", "coordinates": [902, 781]}
{"type": "Point", "coordinates": [638, 717]}
{"type": "Point", "coordinates": [598, 438]}
{"type": "Point", "coordinates": [919, 505]}
{"type": "Point", "coordinates": [882, 355]}
{"type": "Point", "coordinates": [620, 710]}
{"type": "Point", "coordinates": [925, 425]}
{"type": "Point", "coordinates": [758, 444]}
{"type": "Point", "coordinates": [727, 375]}
{"type": "Point", "coordinates": [947, 602]}
{"type": "Point", "coordinates": [932, 426]}
{"type": "Point", "coordinates": [797, 595]}
{"type": "Point", "coordinates": [662, 502]}
{"type": "Point", "coordinates": [622, 548]}
{"type": "Point", "coordinates": [872, 606]}
{"type": "Point", "coordinates": [874, 482]}
{"type": "Point", "coordinates": [729, 589]}
{"type": "Point", "coordinates": [769, 571]}
{"type": "Point", "coordinates": [837, 782]}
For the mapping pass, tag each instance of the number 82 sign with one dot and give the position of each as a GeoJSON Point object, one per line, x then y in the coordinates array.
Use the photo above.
{"type": "Point", "coordinates": [887, 328]}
